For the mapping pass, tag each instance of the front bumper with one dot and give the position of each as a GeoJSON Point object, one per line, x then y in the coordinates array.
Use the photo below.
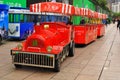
{"type": "Point", "coordinates": [33, 59]}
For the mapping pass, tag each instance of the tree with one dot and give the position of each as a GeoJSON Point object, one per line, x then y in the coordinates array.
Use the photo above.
{"type": "Point", "coordinates": [116, 15]}
{"type": "Point", "coordinates": [102, 2]}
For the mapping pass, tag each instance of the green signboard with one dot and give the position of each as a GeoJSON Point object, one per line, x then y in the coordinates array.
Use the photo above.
{"type": "Point", "coordinates": [14, 3]}
{"type": "Point", "coordinates": [82, 4]}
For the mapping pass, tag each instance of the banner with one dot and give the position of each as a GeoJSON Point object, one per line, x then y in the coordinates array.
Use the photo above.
{"type": "Point", "coordinates": [14, 3]}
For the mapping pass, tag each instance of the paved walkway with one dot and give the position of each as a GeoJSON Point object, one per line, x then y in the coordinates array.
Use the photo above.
{"type": "Point", "coordinates": [97, 61]}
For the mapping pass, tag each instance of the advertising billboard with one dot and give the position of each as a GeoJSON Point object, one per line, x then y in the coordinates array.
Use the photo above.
{"type": "Point", "coordinates": [14, 3]}
{"type": "Point", "coordinates": [82, 4]}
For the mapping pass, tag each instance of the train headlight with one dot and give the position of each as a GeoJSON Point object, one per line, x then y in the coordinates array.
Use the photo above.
{"type": "Point", "coordinates": [20, 46]}
{"type": "Point", "coordinates": [46, 26]}
{"type": "Point", "coordinates": [14, 52]}
{"type": "Point", "coordinates": [49, 48]}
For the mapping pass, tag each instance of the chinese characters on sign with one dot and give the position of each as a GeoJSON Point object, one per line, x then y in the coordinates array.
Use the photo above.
{"type": "Point", "coordinates": [14, 4]}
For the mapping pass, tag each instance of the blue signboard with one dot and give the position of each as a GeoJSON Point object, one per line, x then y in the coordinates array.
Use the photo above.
{"type": "Point", "coordinates": [3, 21]}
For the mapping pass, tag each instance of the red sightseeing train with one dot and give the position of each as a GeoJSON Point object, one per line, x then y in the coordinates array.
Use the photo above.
{"type": "Point", "coordinates": [52, 42]}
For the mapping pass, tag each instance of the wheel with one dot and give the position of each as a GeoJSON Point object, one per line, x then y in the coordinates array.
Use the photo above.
{"type": "Point", "coordinates": [17, 66]}
{"type": "Point", "coordinates": [71, 49]}
{"type": "Point", "coordinates": [0, 39]}
{"type": "Point", "coordinates": [57, 65]}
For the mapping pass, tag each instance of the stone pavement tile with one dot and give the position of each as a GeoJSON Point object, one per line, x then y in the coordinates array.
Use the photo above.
{"type": "Point", "coordinates": [78, 60]}
{"type": "Point", "coordinates": [96, 57]}
{"type": "Point", "coordinates": [107, 63]}
{"type": "Point", "coordinates": [66, 74]}
{"type": "Point", "coordinates": [115, 53]}
{"type": "Point", "coordinates": [4, 79]}
{"type": "Point", "coordinates": [96, 62]}
{"type": "Point", "coordinates": [110, 75]}
{"type": "Point", "coordinates": [84, 62]}
{"type": "Point", "coordinates": [109, 78]}
{"type": "Point", "coordinates": [6, 69]}
{"type": "Point", "coordinates": [66, 62]}
{"type": "Point", "coordinates": [101, 53]}
{"type": "Point", "coordinates": [3, 63]}
{"type": "Point", "coordinates": [115, 49]}
{"type": "Point", "coordinates": [115, 63]}
{"type": "Point", "coordinates": [18, 74]}
{"type": "Point", "coordinates": [92, 70]}
{"type": "Point", "coordinates": [40, 76]}
{"type": "Point", "coordinates": [87, 77]}
{"type": "Point", "coordinates": [112, 69]}
{"type": "Point", "coordinates": [115, 58]}
{"type": "Point", "coordinates": [76, 66]}
{"type": "Point", "coordinates": [70, 69]}
{"type": "Point", "coordinates": [81, 60]}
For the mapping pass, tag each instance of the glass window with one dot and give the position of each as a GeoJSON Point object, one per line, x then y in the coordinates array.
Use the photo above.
{"type": "Point", "coordinates": [25, 18]}
{"type": "Point", "coordinates": [17, 18]}
{"type": "Point", "coordinates": [14, 18]}
{"type": "Point", "coordinates": [11, 18]}
{"type": "Point", "coordinates": [21, 18]}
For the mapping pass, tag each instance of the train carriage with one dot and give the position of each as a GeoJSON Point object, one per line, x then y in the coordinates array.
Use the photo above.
{"type": "Point", "coordinates": [101, 25]}
{"type": "Point", "coordinates": [87, 32]}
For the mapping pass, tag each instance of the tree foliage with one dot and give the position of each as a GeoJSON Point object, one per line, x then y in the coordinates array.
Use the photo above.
{"type": "Point", "coordinates": [101, 3]}
{"type": "Point", "coordinates": [116, 15]}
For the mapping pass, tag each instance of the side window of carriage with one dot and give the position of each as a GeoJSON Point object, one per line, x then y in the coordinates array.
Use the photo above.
{"type": "Point", "coordinates": [27, 18]}
{"type": "Point", "coordinates": [11, 18]}
{"type": "Point", "coordinates": [21, 18]}
{"type": "Point", "coordinates": [16, 18]}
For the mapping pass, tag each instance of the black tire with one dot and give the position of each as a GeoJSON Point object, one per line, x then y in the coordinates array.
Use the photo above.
{"type": "Point", "coordinates": [71, 49]}
{"type": "Point", "coordinates": [0, 39]}
{"type": "Point", "coordinates": [57, 65]}
{"type": "Point", "coordinates": [17, 66]}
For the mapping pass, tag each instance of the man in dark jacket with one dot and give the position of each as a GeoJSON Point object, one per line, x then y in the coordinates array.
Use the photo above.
{"type": "Point", "coordinates": [118, 23]}
{"type": "Point", "coordinates": [82, 21]}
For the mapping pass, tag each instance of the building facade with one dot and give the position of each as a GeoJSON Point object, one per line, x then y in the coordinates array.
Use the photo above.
{"type": "Point", "coordinates": [116, 7]}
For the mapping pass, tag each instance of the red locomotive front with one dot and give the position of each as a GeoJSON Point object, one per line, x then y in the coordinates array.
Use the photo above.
{"type": "Point", "coordinates": [47, 47]}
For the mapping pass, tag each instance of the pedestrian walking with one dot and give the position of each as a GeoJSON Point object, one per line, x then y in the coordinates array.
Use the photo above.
{"type": "Point", "coordinates": [82, 21]}
{"type": "Point", "coordinates": [69, 22]}
{"type": "Point", "coordinates": [106, 22]}
{"type": "Point", "coordinates": [113, 21]}
{"type": "Point", "coordinates": [118, 23]}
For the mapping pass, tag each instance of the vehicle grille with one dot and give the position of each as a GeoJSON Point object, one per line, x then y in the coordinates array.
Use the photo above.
{"type": "Point", "coordinates": [34, 59]}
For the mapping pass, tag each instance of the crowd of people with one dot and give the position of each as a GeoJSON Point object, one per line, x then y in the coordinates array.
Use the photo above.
{"type": "Point", "coordinates": [118, 22]}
